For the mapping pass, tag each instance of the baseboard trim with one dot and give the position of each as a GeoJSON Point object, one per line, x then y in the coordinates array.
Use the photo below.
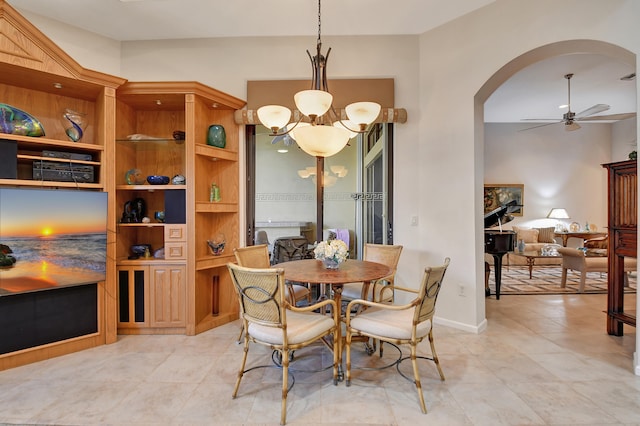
{"type": "Point", "coordinates": [461, 326]}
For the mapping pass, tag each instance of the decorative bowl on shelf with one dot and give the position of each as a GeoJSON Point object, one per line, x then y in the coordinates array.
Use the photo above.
{"type": "Point", "coordinates": [14, 121]}
{"type": "Point", "coordinates": [216, 245]}
{"type": "Point", "coordinates": [140, 249]}
{"type": "Point", "coordinates": [158, 180]}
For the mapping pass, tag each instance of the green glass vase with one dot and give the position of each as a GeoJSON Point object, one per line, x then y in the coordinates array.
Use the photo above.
{"type": "Point", "coordinates": [216, 136]}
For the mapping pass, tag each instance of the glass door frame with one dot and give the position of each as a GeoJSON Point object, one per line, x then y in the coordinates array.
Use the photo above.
{"type": "Point", "coordinates": [250, 179]}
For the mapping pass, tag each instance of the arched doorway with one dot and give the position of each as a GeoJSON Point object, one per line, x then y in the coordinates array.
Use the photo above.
{"type": "Point", "coordinates": [536, 56]}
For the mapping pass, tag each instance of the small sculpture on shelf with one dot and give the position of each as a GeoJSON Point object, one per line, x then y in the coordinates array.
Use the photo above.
{"type": "Point", "coordinates": [134, 211]}
{"type": "Point", "coordinates": [178, 136]}
{"type": "Point", "coordinates": [216, 246]}
{"type": "Point", "coordinates": [75, 124]}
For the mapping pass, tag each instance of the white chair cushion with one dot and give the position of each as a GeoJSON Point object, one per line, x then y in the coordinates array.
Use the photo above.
{"type": "Point", "coordinates": [389, 323]}
{"type": "Point", "coordinates": [299, 291]}
{"type": "Point", "coordinates": [353, 291]}
{"type": "Point", "coordinates": [301, 327]}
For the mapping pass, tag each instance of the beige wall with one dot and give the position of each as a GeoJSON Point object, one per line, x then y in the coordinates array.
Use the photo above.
{"type": "Point", "coordinates": [439, 151]}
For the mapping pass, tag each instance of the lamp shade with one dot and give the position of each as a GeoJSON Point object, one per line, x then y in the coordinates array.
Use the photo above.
{"type": "Point", "coordinates": [313, 102]}
{"type": "Point", "coordinates": [363, 112]}
{"type": "Point", "coordinates": [557, 213]}
{"type": "Point", "coordinates": [274, 116]}
{"type": "Point", "coordinates": [321, 141]}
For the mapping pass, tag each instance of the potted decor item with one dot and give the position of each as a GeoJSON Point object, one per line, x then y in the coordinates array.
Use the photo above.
{"type": "Point", "coordinates": [332, 253]}
{"type": "Point", "coordinates": [216, 136]}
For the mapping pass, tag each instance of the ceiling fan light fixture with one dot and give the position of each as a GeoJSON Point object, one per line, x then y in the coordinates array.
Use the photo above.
{"type": "Point", "coordinates": [570, 126]}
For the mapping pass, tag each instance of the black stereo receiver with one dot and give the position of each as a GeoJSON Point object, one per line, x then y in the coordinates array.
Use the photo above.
{"type": "Point", "coordinates": [63, 172]}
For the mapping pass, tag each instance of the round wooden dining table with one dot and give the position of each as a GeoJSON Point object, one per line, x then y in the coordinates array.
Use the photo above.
{"type": "Point", "coordinates": [312, 271]}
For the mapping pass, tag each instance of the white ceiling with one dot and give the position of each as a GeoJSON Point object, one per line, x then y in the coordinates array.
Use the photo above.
{"type": "Point", "coordinates": [533, 93]}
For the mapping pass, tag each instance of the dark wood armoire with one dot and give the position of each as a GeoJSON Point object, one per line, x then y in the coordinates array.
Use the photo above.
{"type": "Point", "coordinates": [623, 238]}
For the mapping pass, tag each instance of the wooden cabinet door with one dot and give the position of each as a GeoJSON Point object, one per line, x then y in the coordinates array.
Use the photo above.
{"type": "Point", "coordinates": [133, 296]}
{"type": "Point", "coordinates": [168, 295]}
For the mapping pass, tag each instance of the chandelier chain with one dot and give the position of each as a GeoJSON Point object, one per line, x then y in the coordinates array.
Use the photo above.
{"type": "Point", "coordinates": [319, 21]}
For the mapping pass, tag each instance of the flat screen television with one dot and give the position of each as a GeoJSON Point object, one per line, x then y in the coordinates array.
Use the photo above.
{"type": "Point", "coordinates": [51, 238]}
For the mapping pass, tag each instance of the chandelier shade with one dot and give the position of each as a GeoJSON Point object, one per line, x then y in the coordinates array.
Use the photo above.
{"type": "Point", "coordinates": [321, 141]}
{"type": "Point", "coordinates": [362, 113]}
{"type": "Point", "coordinates": [292, 132]}
{"type": "Point", "coordinates": [347, 124]}
{"type": "Point", "coordinates": [274, 116]}
{"type": "Point", "coordinates": [313, 103]}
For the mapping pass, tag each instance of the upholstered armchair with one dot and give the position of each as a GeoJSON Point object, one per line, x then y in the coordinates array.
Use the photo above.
{"type": "Point", "coordinates": [574, 259]}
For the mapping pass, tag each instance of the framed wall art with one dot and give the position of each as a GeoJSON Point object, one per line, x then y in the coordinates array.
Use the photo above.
{"type": "Point", "coordinates": [496, 195]}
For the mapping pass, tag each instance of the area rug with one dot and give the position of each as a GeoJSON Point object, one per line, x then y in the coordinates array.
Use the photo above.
{"type": "Point", "coordinates": [546, 280]}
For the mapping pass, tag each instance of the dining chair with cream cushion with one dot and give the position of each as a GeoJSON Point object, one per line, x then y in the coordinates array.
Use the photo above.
{"type": "Point", "coordinates": [382, 289]}
{"type": "Point", "coordinates": [258, 257]}
{"type": "Point", "coordinates": [400, 324]}
{"type": "Point", "coordinates": [269, 319]}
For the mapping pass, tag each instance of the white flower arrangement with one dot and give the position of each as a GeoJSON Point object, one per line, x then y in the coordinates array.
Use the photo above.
{"type": "Point", "coordinates": [335, 250]}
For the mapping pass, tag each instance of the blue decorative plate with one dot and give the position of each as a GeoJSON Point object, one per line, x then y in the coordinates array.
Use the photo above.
{"type": "Point", "coordinates": [14, 121]}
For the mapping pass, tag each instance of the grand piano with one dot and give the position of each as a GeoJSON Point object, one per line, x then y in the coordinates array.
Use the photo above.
{"type": "Point", "coordinates": [498, 242]}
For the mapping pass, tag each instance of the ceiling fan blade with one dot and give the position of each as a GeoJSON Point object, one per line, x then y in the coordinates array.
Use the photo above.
{"type": "Point", "coordinates": [593, 110]}
{"type": "Point", "coordinates": [277, 139]}
{"type": "Point", "coordinates": [612, 117]}
{"type": "Point", "coordinates": [540, 119]}
{"type": "Point", "coordinates": [541, 125]}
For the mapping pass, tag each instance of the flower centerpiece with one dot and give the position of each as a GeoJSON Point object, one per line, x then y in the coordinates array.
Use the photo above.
{"type": "Point", "coordinates": [332, 253]}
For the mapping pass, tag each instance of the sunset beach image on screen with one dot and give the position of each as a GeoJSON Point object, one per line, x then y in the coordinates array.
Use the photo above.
{"type": "Point", "coordinates": [51, 238]}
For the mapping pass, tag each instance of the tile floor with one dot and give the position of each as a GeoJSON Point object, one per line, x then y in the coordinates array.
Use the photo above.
{"type": "Point", "coordinates": [543, 360]}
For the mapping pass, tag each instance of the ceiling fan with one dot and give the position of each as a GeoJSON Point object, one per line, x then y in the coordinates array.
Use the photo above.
{"type": "Point", "coordinates": [569, 118]}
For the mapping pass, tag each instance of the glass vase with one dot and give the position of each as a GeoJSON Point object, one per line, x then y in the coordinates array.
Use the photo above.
{"type": "Point", "coordinates": [331, 263]}
{"type": "Point", "coordinates": [75, 124]}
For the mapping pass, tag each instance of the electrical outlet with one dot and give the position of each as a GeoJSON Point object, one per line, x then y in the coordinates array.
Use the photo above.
{"type": "Point", "coordinates": [461, 291]}
{"type": "Point", "coordinates": [414, 220]}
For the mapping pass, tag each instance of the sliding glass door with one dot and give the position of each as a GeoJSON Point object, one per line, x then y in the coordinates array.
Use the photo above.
{"type": "Point", "coordinates": [281, 189]}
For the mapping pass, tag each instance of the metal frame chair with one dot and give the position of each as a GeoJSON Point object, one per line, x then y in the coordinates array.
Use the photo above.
{"type": "Point", "coordinates": [400, 324]}
{"type": "Point", "coordinates": [382, 289]}
{"type": "Point", "coordinates": [269, 319]}
{"type": "Point", "coordinates": [258, 257]}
